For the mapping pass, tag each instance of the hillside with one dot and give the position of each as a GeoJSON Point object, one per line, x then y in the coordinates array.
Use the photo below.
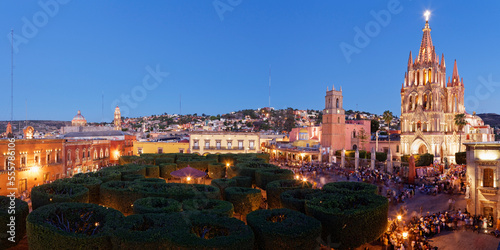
{"type": "Point", "coordinates": [491, 119]}
{"type": "Point", "coordinates": [38, 125]}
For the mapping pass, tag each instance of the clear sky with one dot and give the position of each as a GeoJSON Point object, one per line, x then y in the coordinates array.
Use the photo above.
{"type": "Point", "coordinates": [217, 54]}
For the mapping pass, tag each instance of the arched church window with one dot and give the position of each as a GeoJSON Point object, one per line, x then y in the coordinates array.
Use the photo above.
{"type": "Point", "coordinates": [425, 101]}
{"type": "Point", "coordinates": [337, 105]}
{"type": "Point", "coordinates": [425, 77]}
{"type": "Point", "coordinates": [416, 102]}
{"type": "Point", "coordinates": [419, 125]}
{"type": "Point", "coordinates": [418, 78]}
{"type": "Point", "coordinates": [410, 103]}
{"type": "Point", "coordinates": [354, 134]}
{"type": "Point", "coordinates": [455, 104]}
{"type": "Point", "coordinates": [429, 76]}
{"type": "Point", "coordinates": [338, 119]}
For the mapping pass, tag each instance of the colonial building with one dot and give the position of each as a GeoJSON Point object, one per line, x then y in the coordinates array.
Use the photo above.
{"type": "Point", "coordinates": [160, 147]}
{"type": "Point", "coordinates": [36, 162]}
{"type": "Point", "coordinates": [224, 142]}
{"type": "Point", "coordinates": [336, 132]}
{"type": "Point", "coordinates": [483, 171]}
{"type": "Point", "coordinates": [429, 104]}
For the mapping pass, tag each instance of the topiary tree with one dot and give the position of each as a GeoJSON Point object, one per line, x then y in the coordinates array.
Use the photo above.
{"type": "Point", "coordinates": [166, 169]}
{"type": "Point", "coordinates": [216, 170]}
{"type": "Point", "coordinates": [12, 231]}
{"type": "Point", "coordinates": [120, 195]}
{"type": "Point", "coordinates": [104, 175]}
{"type": "Point", "coordinates": [275, 188]}
{"type": "Point", "coordinates": [284, 229]}
{"type": "Point", "coordinates": [58, 192]}
{"type": "Point", "coordinates": [132, 177]}
{"type": "Point", "coordinates": [245, 200]}
{"type": "Point", "coordinates": [72, 226]}
{"type": "Point", "coordinates": [92, 183]}
{"type": "Point", "coordinates": [296, 198]}
{"type": "Point", "coordinates": [349, 220]}
{"type": "Point", "coordinates": [264, 176]}
{"type": "Point", "coordinates": [145, 231]}
{"type": "Point", "coordinates": [222, 184]}
{"type": "Point", "coordinates": [152, 171]}
{"type": "Point", "coordinates": [210, 231]}
{"type": "Point", "coordinates": [243, 181]}
{"type": "Point", "coordinates": [219, 207]}
{"type": "Point", "coordinates": [156, 205]}
{"type": "Point", "coordinates": [249, 169]}
{"type": "Point", "coordinates": [150, 180]}
{"type": "Point", "coordinates": [347, 186]}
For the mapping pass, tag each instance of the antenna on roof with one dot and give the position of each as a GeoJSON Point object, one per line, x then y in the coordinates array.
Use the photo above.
{"type": "Point", "coordinates": [180, 104]}
{"type": "Point", "coordinates": [269, 86]}
{"type": "Point", "coordinates": [12, 75]}
{"type": "Point", "coordinates": [102, 106]}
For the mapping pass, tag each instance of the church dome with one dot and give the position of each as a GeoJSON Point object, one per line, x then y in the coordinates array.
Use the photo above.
{"type": "Point", "coordinates": [79, 120]}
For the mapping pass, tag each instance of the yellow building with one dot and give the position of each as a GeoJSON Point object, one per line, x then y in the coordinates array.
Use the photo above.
{"type": "Point", "coordinates": [160, 147]}
{"type": "Point", "coordinates": [224, 142]}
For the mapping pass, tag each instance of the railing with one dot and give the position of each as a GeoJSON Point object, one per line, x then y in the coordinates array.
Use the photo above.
{"type": "Point", "coordinates": [221, 148]}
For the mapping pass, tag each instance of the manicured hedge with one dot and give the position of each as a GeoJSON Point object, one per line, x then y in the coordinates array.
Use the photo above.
{"type": "Point", "coordinates": [296, 199]}
{"type": "Point", "coordinates": [179, 191]}
{"type": "Point", "coordinates": [92, 183]}
{"type": "Point", "coordinates": [150, 180]}
{"type": "Point", "coordinates": [347, 186]}
{"type": "Point", "coordinates": [209, 231]}
{"type": "Point", "coordinates": [284, 229]}
{"type": "Point", "coordinates": [216, 170]}
{"type": "Point", "coordinates": [245, 200]}
{"type": "Point", "coordinates": [200, 164]}
{"type": "Point", "coordinates": [219, 207]}
{"type": "Point", "coordinates": [120, 195]}
{"type": "Point", "coordinates": [104, 175]}
{"type": "Point", "coordinates": [231, 172]}
{"type": "Point", "coordinates": [249, 168]}
{"type": "Point", "coordinates": [243, 181]}
{"type": "Point", "coordinates": [58, 192]}
{"type": "Point", "coordinates": [126, 159]}
{"type": "Point", "coordinates": [133, 169]}
{"type": "Point", "coordinates": [156, 205]}
{"type": "Point", "coordinates": [349, 220]}
{"type": "Point", "coordinates": [212, 157]}
{"type": "Point", "coordinates": [264, 176]}
{"type": "Point", "coordinates": [132, 177]}
{"type": "Point", "coordinates": [15, 229]}
{"type": "Point", "coordinates": [222, 184]}
{"type": "Point", "coordinates": [145, 231]}
{"type": "Point", "coordinates": [72, 226]}
{"type": "Point", "coordinates": [275, 188]}
{"type": "Point", "coordinates": [166, 169]}
{"type": "Point", "coordinates": [161, 160]}
{"type": "Point", "coordinates": [152, 171]}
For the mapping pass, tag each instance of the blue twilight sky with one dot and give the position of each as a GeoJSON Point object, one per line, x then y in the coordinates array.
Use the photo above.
{"type": "Point", "coordinates": [217, 54]}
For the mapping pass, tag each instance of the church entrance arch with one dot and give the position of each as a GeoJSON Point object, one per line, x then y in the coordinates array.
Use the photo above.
{"type": "Point", "coordinates": [419, 146]}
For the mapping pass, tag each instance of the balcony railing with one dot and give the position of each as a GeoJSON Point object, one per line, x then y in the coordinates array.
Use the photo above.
{"type": "Point", "coordinates": [220, 148]}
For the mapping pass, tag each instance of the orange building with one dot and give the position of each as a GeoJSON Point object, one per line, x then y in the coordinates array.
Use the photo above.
{"type": "Point", "coordinates": [37, 161]}
{"type": "Point", "coordinates": [82, 156]}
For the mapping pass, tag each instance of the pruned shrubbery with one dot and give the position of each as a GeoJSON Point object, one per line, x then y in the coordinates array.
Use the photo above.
{"type": "Point", "coordinates": [284, 229]}
{"type": "Point", "coordinates": [72, 226]}
{"type": "Point", "coordinates": [58, 192]}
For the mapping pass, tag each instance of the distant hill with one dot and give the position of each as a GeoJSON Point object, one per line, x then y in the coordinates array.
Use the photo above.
{"type": "Point", "coordinates": [38, 125]}
{"type": "Point", "coordinates": [491, 119]}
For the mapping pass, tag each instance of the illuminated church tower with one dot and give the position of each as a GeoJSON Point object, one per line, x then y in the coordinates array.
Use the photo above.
{"type": "Point", "coordinates": [118, 119]}
{"type": "Point", "coordinates": [333, 128]}
{"type": "Point", "coordinates": [429, 103]}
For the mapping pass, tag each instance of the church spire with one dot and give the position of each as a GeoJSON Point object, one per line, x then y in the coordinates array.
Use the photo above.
{"type": "Point", "coordinates": [455, 77]}
{"type": "Point", "coordinates": [443, 64]}
{"type": "Point", "coordinates": [426, 48]}
{"type": "Point", "coordinates": [410, 61]}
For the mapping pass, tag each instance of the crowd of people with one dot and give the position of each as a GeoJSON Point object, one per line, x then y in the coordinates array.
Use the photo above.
{"type": "Point", "coordinates": [415, 233]}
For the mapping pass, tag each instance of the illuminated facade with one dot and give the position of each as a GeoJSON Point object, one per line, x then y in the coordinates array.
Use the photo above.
{"type": "Point", "coordinates": [160, 147]}
{"type": "Point", "coordinates": [429, 104]}
{"type": "Point", "coordinates": [224, 142]}
{"type": "Point", "coordinates": [37, 161]}
{"type": "Point", "coordinates": [483, 169]}
{"type": "Point", "coordinates": [79, 120]}
{"type": "Point", "coordinates": [118, 119]}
